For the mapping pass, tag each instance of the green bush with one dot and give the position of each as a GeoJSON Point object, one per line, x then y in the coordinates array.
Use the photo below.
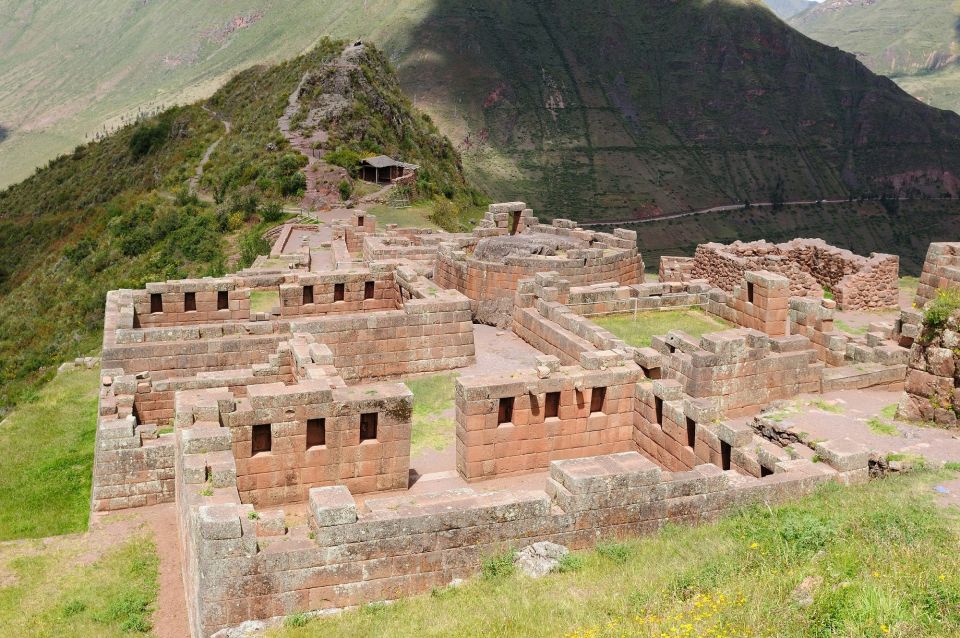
{"type": "Point", "coordinates": [148, 137]}
{"type": "Point", "coordinates": [271, 212]}
{"type": "Point", "coordinates": [344, 158]}
{"type": "Point", "coordinates": [939, 310]}
{"type": "Point", "coordinates": [346, 190]}
{"type": "Point", "coordinates": [499, 566]}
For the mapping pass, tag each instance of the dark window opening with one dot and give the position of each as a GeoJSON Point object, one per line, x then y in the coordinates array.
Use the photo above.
{"type": "Point", "coordinates": [765, 471]}
{"type": "Point", "coordinates": [261, 441]}
{"type": "Point", "coordinates": [360, 220]}
{"type": "Point", "coordinates": [691, 432]}
{"type": "Point", "coordinates": [514, 223]}
{"type": "Point", "coordinates": [368, 289]}
{"type": "Point", "coordinates": [338, 292]}
{"type": "Point", "coordinates": [156, 302]}
{"type": "Point", "coordinates": [368, 427]}
{"type": "Point", "coordinates": [651, 373]}
{"type": "Point", "coordinates": [658, 408]}
{"type": "Point", "coordinates": [307, 295]}
{"type": "Point", "coordinates": [552, 407]}
{"type": "Point", "coordinates": [671, 348]}
{"type": "Point", "coordinates": [223, 300]}
{"type": "Point", "coordinates": [597, 398]}
{"type": "Point", "coordinates": [189, 301]}
{"type": "Point", "coordinates": [316, 432]}
{"type": "Point", "coordinates": [505, 411]}
{"type": "Point", "coordinates": [750, 291]}
{"type": "Point", "coordinates": [724, 455]}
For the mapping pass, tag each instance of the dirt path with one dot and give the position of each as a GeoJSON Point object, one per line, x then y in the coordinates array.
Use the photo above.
{"type": "Point", "coordinates": [195, 180]}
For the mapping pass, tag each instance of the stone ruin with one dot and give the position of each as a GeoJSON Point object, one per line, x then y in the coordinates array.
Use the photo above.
{"type": "Point", "coordinates": [284, 435]}
{"type": "Point", "coordinates": [811, 265]}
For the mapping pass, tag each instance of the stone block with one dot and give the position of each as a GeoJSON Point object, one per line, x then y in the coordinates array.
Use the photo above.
{"type": "Point", "coordinates": [332, 505]}
{"type": "Point", "coordinates": [844, 454]}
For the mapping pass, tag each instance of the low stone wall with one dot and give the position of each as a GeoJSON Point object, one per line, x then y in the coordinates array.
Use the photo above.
{"type": "Point", "coordinates": [132, 465]}
{"type": "Point", "coordinates": [810, 265]}
{"type": "Point", "coordinates": [759, 302]}
{"type": "Point", "coordinates": [432, 331]}
{"type": "Point", "coordinates": [742, 370]}
{"type": "Point", "coordinates": [397, 546]}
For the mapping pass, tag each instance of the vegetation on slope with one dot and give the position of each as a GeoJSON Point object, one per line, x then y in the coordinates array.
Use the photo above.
{"type": "Point", "coordinates": [911, 41]}
{"type": "Point", "coordinates": [866, 562]}
{"type": "Point", "coordinates": [116, 214]}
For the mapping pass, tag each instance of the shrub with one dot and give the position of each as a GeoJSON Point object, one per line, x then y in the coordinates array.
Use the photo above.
{"type": "Point", "coordinates": [570, 563]}
{"type": "Point", "coordinates": [293, 185]}
{"type": "Point", "coordinates": [271, 212]}
{"type": "Point", "coordinates": [446, 214]}
{"type": "Point", "coordinates": [499, 566]}
{"type": "Point", "coordinates": [344, 158]}
{"type": "Point", "coordinates": [346, 190]}
{"type": "Point", "coordinates": [296, 620]}
{"type": "Point", "coordinates": [938, 312]}
{"type": "Point", "coordinates": [148, 137]}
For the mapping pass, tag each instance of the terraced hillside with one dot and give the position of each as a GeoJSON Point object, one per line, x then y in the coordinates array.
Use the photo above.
{"type": "Point", "coordinates": [915, 42]}
{"type": "Point", "coordinates": [626, 110]}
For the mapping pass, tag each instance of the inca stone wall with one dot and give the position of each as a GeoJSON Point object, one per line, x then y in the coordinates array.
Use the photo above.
{"type": "Point", "coordinates": [941, 270]}
{"type": "Point", "coordinates": [398, 546]}
{"type": "Point", "coordinates": [810, 265]}
{"type": "Point", "coordinates": [933, 379]}
{"type": "Point", "coordinates": [603, 257]}
{"type": "Point", "coordinates": [554, 413]}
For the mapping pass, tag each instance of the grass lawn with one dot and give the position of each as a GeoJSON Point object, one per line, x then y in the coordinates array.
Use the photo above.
{"type": "Point", "coordinates": [868, 561]}
{"type": "Point", "coordinates": [909, 284]}
{"type": "Point", "coordinates": [76, 587]}
{"type": "Point", "coordinates": [264, 300]}
{"type": "Point", "coordinates": [637, 329]}
{"type": "Point", "coordinates": [433, 423]}
{"type": "Point", "coordinates": [412, 217]}
{"type": "Point", "coordinates": [47, 460]}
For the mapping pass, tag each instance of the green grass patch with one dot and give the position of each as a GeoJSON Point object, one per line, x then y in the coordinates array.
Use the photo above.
{"type": "Point", "coordinates": [909, 284]}
{"type": "Point", "coordinates": [843, 326]}
{"type": "Point", "coordinates": [827, 406]}
{"type": "Point", "coordinates": [433, 425]}
{"type": "Point", "coordinates": [47, 460]}
{"type": "Point", "coordinates": [416, 216]}
{"type": "Point", "coordinates": [882, 555]}
{"type": "Point", "coordinates": [637, 329]}
{"type": "Point", "coordinates": [879, 426]}
{"type": "Point", "coordinates": [264, 300]}
{"type": "Point", "coordinates": [889, 412]}
{"type": "Point", "coordinates": [55, 591]}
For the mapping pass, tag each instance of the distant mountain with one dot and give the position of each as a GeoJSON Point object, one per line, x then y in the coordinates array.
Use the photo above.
{"type": "Point", "coordinates": [915, 42]}
{"type": "Point", "coordinates": [625, 109]}
{"type": "Point", "coordinates": [789, 8]}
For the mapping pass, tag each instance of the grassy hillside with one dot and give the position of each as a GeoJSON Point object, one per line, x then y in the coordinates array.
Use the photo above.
{"type": "Point", "coordinates": [868, 561]}
{"type": "Point", "coordinates": [631, 108]}
{"type": "Point", "coordinates": [912, 41]}
{"type": "Point", "coordinates": [116, 213]}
